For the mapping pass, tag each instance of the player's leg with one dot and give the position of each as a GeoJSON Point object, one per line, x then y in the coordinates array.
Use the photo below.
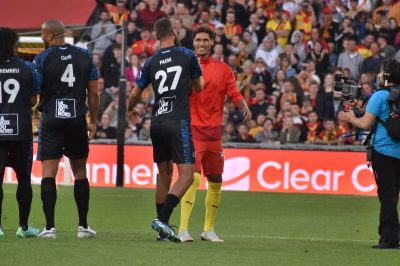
{"type": "Point", "coordinates": [189, 199]}
{"type": "Point", "coordinates": [213, 168]}
{"type": "Point", "coordinates": [76, 148]}
{"type": "Point", "coordinates": [3, 158]}
{"type": "Point", "coordinates": [21, 158]}
{"type": "Point", "coordinates": [50, 149]}
{"type": "Point", "coordinates": [163, 183]}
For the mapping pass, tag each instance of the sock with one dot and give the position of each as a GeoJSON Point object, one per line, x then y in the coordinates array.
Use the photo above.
{"type": "Point", "coordinates": [159, 208]}
{"type": "Point", "coordinates": [1, 200]}
{"type": "Point", "coordinates": [81, 194]}
{"type": "Point", "coordinates": [187, 203]}
{"type": "Point", "coordinates": [24, 198]}
{"type": "Point", "coordinates": [49, 198]}
{"type": "Point", "coordinates": [170, 203]}
{"type": "Point", "coordinates": [213, 198]}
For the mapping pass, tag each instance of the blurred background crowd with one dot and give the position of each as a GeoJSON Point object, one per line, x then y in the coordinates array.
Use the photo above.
{"type": "Point", "coordinates": [284, 54]}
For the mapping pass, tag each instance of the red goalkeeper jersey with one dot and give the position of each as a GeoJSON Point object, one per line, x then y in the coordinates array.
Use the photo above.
{"type": "Point", "coordinates": [207, 106]}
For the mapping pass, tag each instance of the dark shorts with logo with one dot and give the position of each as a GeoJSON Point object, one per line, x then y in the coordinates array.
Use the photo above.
{"type": "Point", "coordinates": [61, 136]}
{"type": "Point", "coordinates": [172, 140]}
{"type": "Point", "coordinates": [16, 154]}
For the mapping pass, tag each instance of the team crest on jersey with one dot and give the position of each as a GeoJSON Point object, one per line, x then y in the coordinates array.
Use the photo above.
{"type": "Point", "coordinates": [165, 105]}
{"type": "Point", "coordinates": [9, 124]}
{"type": "Point", "coordinates": [65, 108]}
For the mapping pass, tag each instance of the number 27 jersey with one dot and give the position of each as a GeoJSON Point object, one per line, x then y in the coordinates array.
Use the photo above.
{"type": "Point", "coordinates": [170, 72]}
{"type": "Point", "coordinates": [65, 71]}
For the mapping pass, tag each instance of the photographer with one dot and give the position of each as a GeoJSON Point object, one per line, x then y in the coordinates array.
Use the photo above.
{"type": "Point", "coordinates": [385, 153]}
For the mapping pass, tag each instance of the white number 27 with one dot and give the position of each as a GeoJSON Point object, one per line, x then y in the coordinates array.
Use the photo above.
{"type": "Point", "coordinates": [163, 75]}
{"type": "Point", "coordinates": [11, 87]}
{"type": "Point", "coordinates": [68, 76]}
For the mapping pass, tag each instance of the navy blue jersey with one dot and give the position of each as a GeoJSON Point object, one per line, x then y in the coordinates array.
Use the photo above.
{"type": "Point", "coordinates": [18, 82]}
{"type": "Point", "coordinates": [65, 71]}
{"type": "Point", "coordinates": [170, 72]}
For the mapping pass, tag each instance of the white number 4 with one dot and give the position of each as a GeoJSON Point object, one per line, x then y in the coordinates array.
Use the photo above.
{"type": "Point", "coordinates": [68, 76]}
{"type": "Point", "coordinates": [163, 75]}
{"type": "Point", "coordinates": [8, 84]}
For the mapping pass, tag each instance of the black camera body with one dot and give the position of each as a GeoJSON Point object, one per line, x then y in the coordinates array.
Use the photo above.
{"type": "Point", "coordinates": [350, 90]}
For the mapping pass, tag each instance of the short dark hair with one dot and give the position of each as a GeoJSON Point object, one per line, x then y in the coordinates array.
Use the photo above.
{"type": "Point", "coordinates": [393, 67]}
{"type": "Point", "coordinates": [204, 29]}
{"type": "Point", "coordinates": [163, 28]}
{"type": "Point", "coordinates": [9, 39]}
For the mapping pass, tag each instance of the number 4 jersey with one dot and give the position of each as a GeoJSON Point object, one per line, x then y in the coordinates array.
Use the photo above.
{"type": "Point", "coordinates": [65, 71]}
{"type": "Point", "coordinates": [18, 82]}
{"type": "Point", "coordinates": [170, 72]}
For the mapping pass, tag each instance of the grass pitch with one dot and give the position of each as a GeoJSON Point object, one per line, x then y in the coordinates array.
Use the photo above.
{"type": "Point", "coordinates": [258, 228]}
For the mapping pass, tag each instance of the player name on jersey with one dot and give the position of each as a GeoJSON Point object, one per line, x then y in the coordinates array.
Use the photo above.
{"type": "Point", "coordinates": [9, 70]}
{"type": "Point", "coordinates": [166, 60]}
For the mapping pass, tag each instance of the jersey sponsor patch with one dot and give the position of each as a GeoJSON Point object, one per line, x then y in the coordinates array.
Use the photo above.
{"type": "Point", "coordinates": [9, 125]}
{"type": "Point", "coordinates": [165, 105]}
{"type": "Point", "coordinates": [65, 108]}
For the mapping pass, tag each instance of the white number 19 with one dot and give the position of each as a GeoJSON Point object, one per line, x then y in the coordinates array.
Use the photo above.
{"type": "Point", "coordinates": [11, 87]}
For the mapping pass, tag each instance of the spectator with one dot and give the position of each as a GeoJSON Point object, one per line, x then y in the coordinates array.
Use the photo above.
{"type": "Point", "coordinates": [298, 120]}
{"type": "Point", "coordinates": [298, 45]}
{"type": "Point", "coordinates": [133, 34]}
{"type": "Point", "coordinates": [305, 19]}
{"type": "Point", "coordinates": [84, 42]}
{"type": "Point", "coordinates": [264, 75]}
{"type": "Point", "coordinates": [145, 45]}
{"type": "Point", "coordinates": [267, 135]}
{"type": "Point", "coordinates": [133, 69]}
{"type": "Point", "coordinates": [182, 13]}
{"type": "Point", "coordinates": [103, 33]}
{"type": "Point", "coordinates": [278, 85]}
{"type": "Point", "coordinates": [112, 70]}
{"type": "Point", "coordinates": [105, 98]}
{"type": "Point", "coordinates": [240, 12]}
{"type": "Point", "coordinates": [328, 136]}
{"type": "Point", "coordinates": [285, 65]}
{"type": "Point", "coordinates": [243, 135]}
{"type": "Point", "coordinates": [229, 132]}
{"type": "Point", "coordinates": [259, 125]}
{"type": "Point", "coordinates": [256, 30]}
{"type": "Point", "coordinates": [271, 112]}
{"type": "Point", "coordinates": [105, 131]}
{"type": "Point", "coordinates": [372, 64]}
{"type": "Point", "coordinates": [150, 14]}
{"type": "Point", "coordinates": [289, 133]}
{"type": "Point", "coordinates": [387, 50]}
{"type": "Point", "coordinates": [231, 27]}
{"type": "Point", "coordinates": [144, 133]}
{"type": "Point", "coordinates": [205, 18]}
{"type": "Point", "coordinates": [267, 52]}
{"type": "Point", "coordinates": [261, 105]}
{"type": "Point", "coordinates": [280, 26]}
{"type": "Point", "coordinates": [288, 95]}
{"type": "Point", "coordinates": [250, 45]}
{"type": "Point", "coordinates": [219, 52]}
{"type": "Point", "coordinates": [183, 34]}
{"type": "Point", "coordinates": [351, 59]}
{"type": "Point", "coordinates": [312, 128]}
{"type": "Point", "coordinates": [320, 58]}
{"type": "Point", "coordinates": [235, 116]}
{"type": "Point", "coordinates": [130, 135]}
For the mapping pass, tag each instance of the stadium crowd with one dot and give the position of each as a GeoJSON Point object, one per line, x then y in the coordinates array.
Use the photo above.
{"type": "Point", "coordinates": [284, 54]}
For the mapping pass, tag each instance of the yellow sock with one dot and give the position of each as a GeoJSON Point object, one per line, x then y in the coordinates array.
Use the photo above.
{"type": "Point", "coordinates": [187, 203]}
{"type": "Point", "coordinates": [213, 198]}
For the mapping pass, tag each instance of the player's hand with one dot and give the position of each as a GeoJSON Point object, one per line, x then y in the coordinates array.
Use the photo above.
{"type": "Point", "coordinates": [92, 130]}
{"type": "Point", "coordinates": [349, 116]}
{"type": "Point", "coordinates": [247, 114]}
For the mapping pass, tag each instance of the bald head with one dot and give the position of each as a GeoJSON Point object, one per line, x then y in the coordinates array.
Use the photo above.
{"type": "Point", "coordinates": [53, 32]}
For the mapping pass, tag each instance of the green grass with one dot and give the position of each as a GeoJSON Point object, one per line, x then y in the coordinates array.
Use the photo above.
{"type": "Point", "coordinates": [258, 228]}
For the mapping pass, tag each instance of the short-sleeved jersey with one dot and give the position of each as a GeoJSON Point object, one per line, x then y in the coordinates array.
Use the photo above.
{"type": "Point", "coordinates": [381, 141]}
{"type": "Point", "coordinates": [65, 71]}
{"type": "Point", "coordinates": [170, 72]}
{"type": "Point", "coordinates": [18, 82]}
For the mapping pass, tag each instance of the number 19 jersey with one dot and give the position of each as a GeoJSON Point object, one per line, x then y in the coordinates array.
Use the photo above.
{"type": "Point", "coordinates": [170, 72]}
{"type": "Point", "coordinates": [65, 71]}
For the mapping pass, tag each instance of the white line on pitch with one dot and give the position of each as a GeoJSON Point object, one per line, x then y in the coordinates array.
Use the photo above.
{"type": "Point", "coordinates": [304, 238]}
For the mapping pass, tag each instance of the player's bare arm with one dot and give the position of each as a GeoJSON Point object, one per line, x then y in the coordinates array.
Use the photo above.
{"type": "Point", "coordinates": [134, 97]}
{"type": "Point", "coordinates": [245, 109]}
{"type": "Point", "coordinates": [94, 101]}
{"type": "Point", "coordinates": [198, 84]}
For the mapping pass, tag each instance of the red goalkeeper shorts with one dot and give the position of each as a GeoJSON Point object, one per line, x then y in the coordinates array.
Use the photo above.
{"type": "Point", "coordinates": [209, 157]}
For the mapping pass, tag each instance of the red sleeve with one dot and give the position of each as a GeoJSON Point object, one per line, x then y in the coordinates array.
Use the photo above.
{"type": "Point", "coordinates": [231, 90]}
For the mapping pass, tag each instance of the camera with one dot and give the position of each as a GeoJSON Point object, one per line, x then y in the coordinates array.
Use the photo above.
{"type": "Point", "coordinates": [350, 90]}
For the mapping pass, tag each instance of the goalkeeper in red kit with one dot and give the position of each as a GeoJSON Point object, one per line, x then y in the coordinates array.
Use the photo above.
{"type": "Point", "coordinates": [206, 111]}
